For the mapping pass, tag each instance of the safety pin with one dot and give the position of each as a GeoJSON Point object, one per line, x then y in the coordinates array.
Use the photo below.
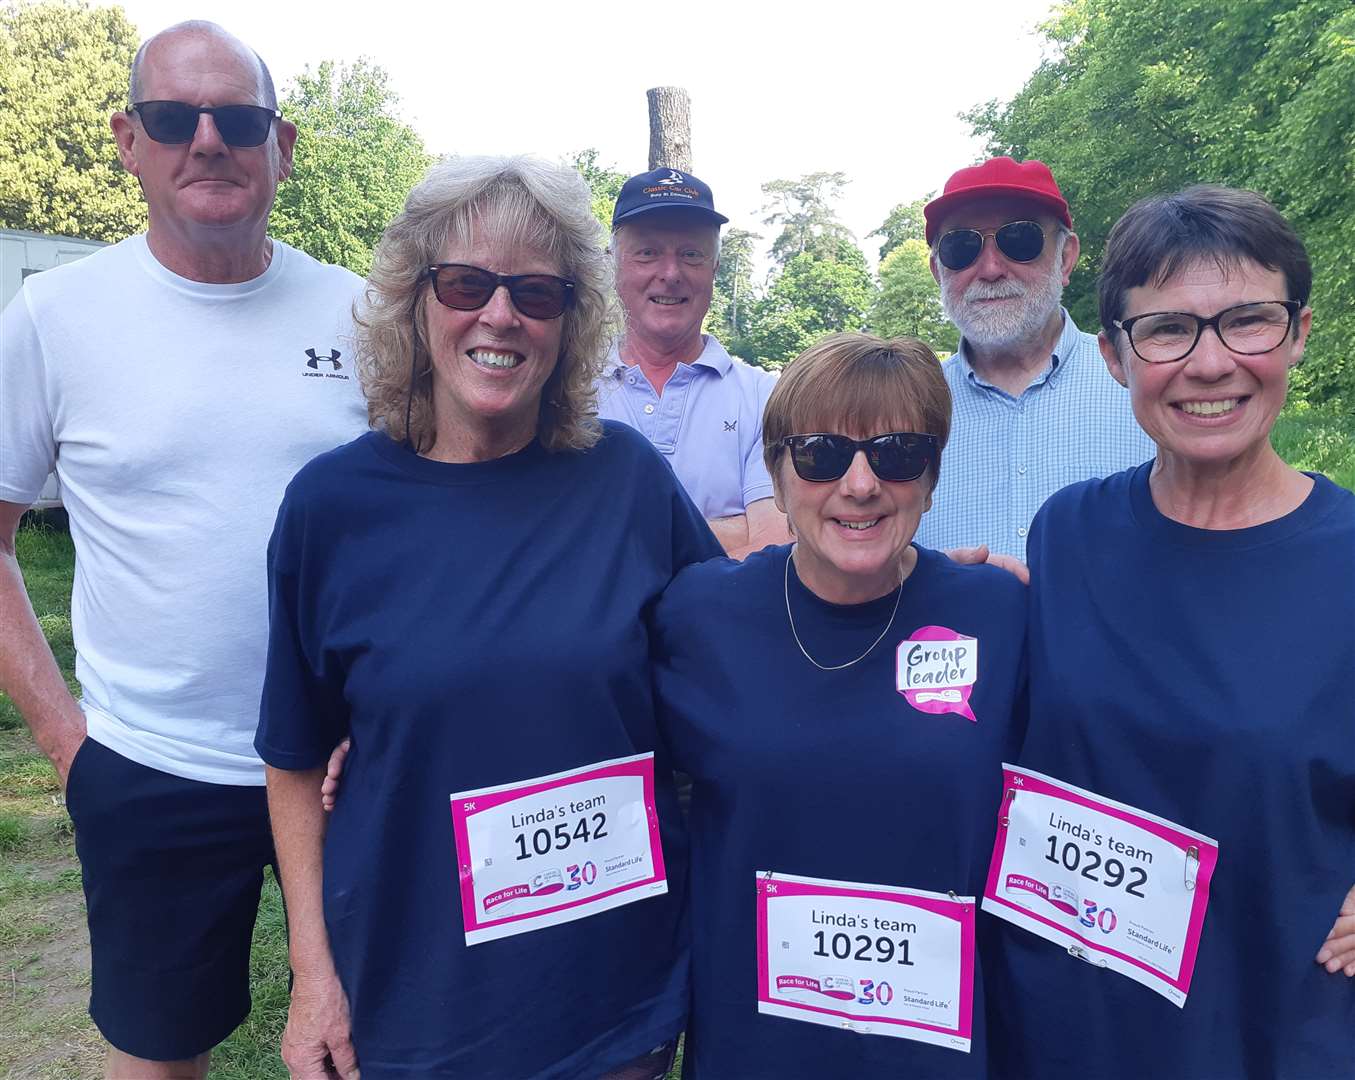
{"type": "Point", "coordinates": [1082, 954]}
{"type": "Point", "coordinates": [956, 897]}
{"type": "Point", "coordinates": [1192, 866]}
{"type": "Point", "coordinates": [1006, 800]}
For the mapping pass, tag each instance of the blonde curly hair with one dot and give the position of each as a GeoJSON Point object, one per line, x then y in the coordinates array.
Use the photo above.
{"type": "Point", "coordinates": [515, 202]}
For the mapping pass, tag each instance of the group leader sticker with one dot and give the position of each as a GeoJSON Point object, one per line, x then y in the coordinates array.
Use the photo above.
{"type": "Point", "coordinates": [936, 669]}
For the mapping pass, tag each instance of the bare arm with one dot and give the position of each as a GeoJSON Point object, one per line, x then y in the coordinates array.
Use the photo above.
{"type": "Point", "coordinates": [761, 524]}
{"type": "Point", "coordinates": [316, 1043]}
{"type": "Point", "coordinates": [28, 671]}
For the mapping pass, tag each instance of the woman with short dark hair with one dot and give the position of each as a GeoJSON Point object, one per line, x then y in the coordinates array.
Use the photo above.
{"type": "Point", "coordinates": [1182, 827]}
{"type": "Point", "coordinates": [843, 705]}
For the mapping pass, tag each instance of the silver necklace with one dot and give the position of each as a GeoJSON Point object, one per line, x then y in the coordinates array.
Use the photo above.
{"type": "Point", "coordinates": [794, 633]}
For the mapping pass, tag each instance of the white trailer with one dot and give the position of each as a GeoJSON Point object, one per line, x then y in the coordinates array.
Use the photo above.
{"type": "Point", "coordinates": [23, 253]}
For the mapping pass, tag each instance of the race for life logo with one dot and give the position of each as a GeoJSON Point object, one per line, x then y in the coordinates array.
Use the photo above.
{"type": "Point", "coordinates": [936, 669]}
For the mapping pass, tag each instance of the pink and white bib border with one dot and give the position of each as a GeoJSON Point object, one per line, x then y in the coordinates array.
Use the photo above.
{"type": "Point", "coordinates": [843, 1006]}
{"type": "Point", "coordinates": [634, 774]}
{"type": "Point", "coordinates": [1062, 923]}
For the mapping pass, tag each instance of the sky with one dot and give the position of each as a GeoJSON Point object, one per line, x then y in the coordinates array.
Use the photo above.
{"type": "Point", "coordinates": [871, 89]}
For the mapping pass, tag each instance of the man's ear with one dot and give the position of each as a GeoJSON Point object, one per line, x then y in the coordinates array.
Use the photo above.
{"type": "Point", "coordinates": [124, 132]}
{"type": "Point", "coordinates": [286, 144]}
{"type": "Point", "coordinates": [1072, 248]}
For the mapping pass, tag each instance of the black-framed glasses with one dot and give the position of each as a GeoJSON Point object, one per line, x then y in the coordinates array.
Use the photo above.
{"type": "Point", "coordinates": [1020, 241]}
{"type": "Point", "coordinates": [469, 288]}
{"type": "Point", "coordinates": [177, 121]}
{"type": "Point", "coordinates": [895, 457]}
{"type": "Point", "coordinates": [1162, 337]}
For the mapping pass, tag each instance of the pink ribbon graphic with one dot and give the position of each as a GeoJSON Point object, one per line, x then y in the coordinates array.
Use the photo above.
{"type": "Point", "coordinates": [804, 982]}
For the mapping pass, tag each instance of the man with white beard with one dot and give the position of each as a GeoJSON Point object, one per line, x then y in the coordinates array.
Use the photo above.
{"type": "Point", "coordinates": [1034, 407]}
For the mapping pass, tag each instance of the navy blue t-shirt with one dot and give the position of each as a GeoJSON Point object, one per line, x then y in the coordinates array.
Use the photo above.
{"type": "Point", "coordinates": [827, 774]}
{"type": "Point", "coordinates": [472, 625]}
{"type": "Point", "coordinates": [1207, 677]}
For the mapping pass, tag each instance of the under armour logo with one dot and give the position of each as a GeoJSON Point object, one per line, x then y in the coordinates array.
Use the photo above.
{"type": "Point", "coordinates": [315, 361]}
{"type": "Point", "coordinates": [731, 425]}
{"type": "Point", "coordinates": [673, 177]}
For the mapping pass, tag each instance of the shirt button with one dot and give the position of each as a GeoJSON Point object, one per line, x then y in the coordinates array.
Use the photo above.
{"type": "Point", "coordinates": [632, 380]}
{"type": "Point", "coordinates": [1021, 531]}
{"type": "Point", "coordinates": [1020, 470]}
{"type": "Point", "coordinates": [649, 408]}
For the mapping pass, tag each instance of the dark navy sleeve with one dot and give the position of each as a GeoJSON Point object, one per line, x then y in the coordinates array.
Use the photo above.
{"type": "Point", "coordinates": [301, 715]}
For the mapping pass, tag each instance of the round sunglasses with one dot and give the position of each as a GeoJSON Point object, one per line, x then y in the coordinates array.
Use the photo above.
{"type": "Point", "coordinates": [469, 288]}
{"type": "Point", "coordinates": [1020, 241]}
{"type": "Point", "coordinates": [895, 457]}
{"type": "Point", "coordinates": [177, 121]}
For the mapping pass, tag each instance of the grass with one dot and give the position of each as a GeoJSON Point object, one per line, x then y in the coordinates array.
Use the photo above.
{"type": "Point", "coordinates": [45, 1033]}
{"type": "Point", "coordinates": [1317, 441]}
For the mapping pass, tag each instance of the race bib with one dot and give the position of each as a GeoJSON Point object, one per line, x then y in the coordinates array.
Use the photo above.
{"type": "Point", "coordinates": [874, 959]}
{"type": "Point", "coordinates": [557, 848]}
{"type": "Point", "coordinates": [1115, 886]}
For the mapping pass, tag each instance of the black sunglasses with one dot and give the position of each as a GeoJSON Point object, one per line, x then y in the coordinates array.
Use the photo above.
{"type": "Point", "coordinates": [896, 457]}
{"type": "Point", "coordinates": [177, 121]}
{"type": "Point", "coordinates": [469, 288]}
{"type": "Point", "coordinates": [1020, 241]}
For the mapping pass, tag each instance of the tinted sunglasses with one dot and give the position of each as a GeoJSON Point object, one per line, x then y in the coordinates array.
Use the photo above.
{"type": "Point", "coordinates": [469, 288]}
{"type": "Point", "coordinates": [895, 457]}
{"type": "Point", "coordinates": [1020, 241]}
{"type": "Point", "coordinates": [177, 121]}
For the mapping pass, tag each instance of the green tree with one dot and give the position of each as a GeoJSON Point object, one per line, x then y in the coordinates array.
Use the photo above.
{"type": "Point", "coordinates": [804, 209]}
{"type": "Point", "coordinates": [905, 222]}
{"type": "Point", "coordinates": [355, 163]}
{"type": "Point", "coordinates": [63, 71]}
{"type": "Point", "coordinates": [810, 298]}
{"type": "Point", "coordinates": [733, 296]}
{"type": "Point", "coordinates": [1143, 96]}
{"type": "Point", "coordinates": [909, 301]}
{"type": "Point", "coordinates": [603, 181]}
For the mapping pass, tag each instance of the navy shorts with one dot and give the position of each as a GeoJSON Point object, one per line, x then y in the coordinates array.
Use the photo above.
{"type": "Point", "coordinates": [172, 871]}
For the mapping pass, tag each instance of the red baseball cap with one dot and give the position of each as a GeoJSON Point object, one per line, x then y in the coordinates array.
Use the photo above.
{"type": "Point", "coordinates": [998, 176]}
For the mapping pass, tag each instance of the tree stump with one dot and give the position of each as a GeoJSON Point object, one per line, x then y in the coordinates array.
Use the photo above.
{"type": "Point", "coordinates": [670, 128]}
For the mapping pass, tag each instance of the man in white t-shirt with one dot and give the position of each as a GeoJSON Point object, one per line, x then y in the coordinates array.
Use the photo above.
{"type": "Point", "coordinates": [175, 381]}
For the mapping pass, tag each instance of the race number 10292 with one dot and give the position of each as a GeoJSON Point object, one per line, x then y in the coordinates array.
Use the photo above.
{"type": "Point", "coordinates": [1072, 857]}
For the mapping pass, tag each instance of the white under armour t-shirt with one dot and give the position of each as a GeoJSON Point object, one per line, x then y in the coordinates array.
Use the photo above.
{"type": "Point", "coordinates": [175, 412]}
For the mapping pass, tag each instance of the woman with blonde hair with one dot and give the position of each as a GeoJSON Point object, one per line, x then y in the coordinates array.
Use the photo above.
{"type": "Point", "coordinates": [460, 592]}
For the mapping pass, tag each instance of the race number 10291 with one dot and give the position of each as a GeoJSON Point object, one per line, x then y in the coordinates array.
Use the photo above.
{"type": "Point", "coordinates": [862, 947]}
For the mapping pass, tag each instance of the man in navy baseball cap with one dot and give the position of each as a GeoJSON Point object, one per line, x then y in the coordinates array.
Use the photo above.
{"type": "Point", "coordinates": [1033, 407]}
{"type": "Point", "coordinates": [699, 406]}
{"type": "Point", "coordinates": [665, 189]}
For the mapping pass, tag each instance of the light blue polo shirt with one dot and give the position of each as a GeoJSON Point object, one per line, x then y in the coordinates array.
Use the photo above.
{"type": "Point", "coordinates": [1006, 454]}
{"type": "Point", "coordinates": [707, 424]}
